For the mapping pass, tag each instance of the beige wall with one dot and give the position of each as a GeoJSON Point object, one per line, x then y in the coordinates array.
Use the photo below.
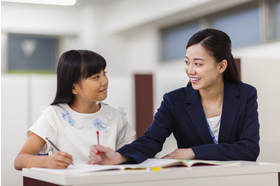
{"type": "Point", "coordinates": [260, 67]}
{"type": "Point", "coordinates": [264, 75]}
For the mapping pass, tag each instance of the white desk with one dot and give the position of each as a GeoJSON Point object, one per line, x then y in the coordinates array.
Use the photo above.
{"type": "Point", "coordinates": [245, 174]}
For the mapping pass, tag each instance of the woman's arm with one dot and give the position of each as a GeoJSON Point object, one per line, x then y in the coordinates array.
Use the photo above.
{"type": "Point", "coordinates": [28, 157]}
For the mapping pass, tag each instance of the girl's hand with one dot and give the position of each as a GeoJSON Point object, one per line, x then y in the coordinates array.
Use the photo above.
{"type": "Point", "coordinates": [59, 160]}
{"type": "Point", "coordinates": [106, 156]}
{"type": "Point", "coordinates": [181, 154]}
{"type": "Point", "coordinates": [28, 156]}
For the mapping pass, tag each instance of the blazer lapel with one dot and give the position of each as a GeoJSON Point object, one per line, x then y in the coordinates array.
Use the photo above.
{"type": "Point", "coordinates": [230, 108]}
{"type": "Point", "coordinates": [196, 113]}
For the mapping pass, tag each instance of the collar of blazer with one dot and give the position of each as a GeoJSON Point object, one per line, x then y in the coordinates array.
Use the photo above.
{"type": "Point", "coordinates": [230, 109]}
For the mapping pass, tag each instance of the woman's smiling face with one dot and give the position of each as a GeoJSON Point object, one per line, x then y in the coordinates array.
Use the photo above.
{"type": "Point", "coordinates": [201, 68]}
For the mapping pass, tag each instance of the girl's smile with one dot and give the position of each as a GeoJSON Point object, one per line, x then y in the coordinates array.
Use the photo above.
{"type": "Point", "coordinates": [104, 90]}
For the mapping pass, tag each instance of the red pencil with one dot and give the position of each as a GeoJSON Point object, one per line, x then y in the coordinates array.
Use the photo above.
{"type": "Point", "coordinates": [97, 134]}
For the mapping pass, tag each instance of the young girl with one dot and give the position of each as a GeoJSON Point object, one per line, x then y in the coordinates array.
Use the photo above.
{"type": "Point", "coordinates": [71, 122]}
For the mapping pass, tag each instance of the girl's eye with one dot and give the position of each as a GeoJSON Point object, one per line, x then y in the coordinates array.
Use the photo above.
{"type": "Point", "coordinates": [198, 64]}
{"type": "Point", "coordinates": [186, 62]}
{"type": "Point", "coordinates": [98, 76]}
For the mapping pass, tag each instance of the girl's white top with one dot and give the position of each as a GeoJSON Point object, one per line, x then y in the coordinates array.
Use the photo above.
{"type": "Point", "coordinates": [74, 132]}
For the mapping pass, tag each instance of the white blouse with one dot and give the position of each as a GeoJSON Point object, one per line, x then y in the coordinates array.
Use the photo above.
{"type": "Point", "coordinates": [214, 124]}
{"type": "Point", "coordinates": [74, 132]}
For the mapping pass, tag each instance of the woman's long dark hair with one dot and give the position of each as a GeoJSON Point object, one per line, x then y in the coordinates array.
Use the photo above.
{"type": "Point", "coordinates": [218, 44]}
{"type": "Point", "coordinates": [73, 66]}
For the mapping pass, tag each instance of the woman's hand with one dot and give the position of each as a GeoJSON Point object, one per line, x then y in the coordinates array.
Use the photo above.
{"type": "Point", "coordinates": [59, 160]}
{"type": "Point", "coordinates": [106, 156]}
{"type": "Point", "coordinates": [181, 154]}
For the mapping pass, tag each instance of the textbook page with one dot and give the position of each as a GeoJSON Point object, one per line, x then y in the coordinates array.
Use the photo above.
{"type": "Point", "coordinates": [77, 168]}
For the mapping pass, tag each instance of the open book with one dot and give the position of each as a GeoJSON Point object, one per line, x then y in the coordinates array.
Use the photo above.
{"type": "Point", "coordinates": [146, 165]}
{"type": "Point", "coordinates": [190, 163]}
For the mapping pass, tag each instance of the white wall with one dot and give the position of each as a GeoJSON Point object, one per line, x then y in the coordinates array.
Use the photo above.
{"type": "Point", "coordinates": [41, 93]}
{"type": "Point", "coordinates": [21, 96]}
{"type": "Point", "coordinates": [14, 122]}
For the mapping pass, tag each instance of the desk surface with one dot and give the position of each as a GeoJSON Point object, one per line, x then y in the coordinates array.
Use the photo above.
{"type": "Point", "coordinates": [247, 173]}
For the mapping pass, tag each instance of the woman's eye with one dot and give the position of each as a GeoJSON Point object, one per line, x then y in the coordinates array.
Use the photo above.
{"type": "Point", "coordinates": [197, 64]}
{"type": "Point", "coordinates": [186, 62]}
{"type": "Point", "coordinates": [105, 73]}
{"type": "Point", "coordinates": [95, 77]}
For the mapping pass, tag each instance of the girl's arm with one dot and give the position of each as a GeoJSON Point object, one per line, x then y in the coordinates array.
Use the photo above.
{"type": "Point", "coordinates": [28, 156]}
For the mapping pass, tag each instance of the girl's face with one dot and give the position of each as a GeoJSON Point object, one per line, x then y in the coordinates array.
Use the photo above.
{"type": "Point", "coordinates": [202, 69]}
{"type": "Point", "coordinates": [92, 89]}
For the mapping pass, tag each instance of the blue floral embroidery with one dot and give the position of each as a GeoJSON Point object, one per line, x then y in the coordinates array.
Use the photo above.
{"type": "Point", "coordinates": [70, 120]}
{"type": "Point", "coordinates": [98, 124]}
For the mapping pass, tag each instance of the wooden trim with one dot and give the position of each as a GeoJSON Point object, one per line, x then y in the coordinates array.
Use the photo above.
{"type": "Point", "coordinates": [33, 182]}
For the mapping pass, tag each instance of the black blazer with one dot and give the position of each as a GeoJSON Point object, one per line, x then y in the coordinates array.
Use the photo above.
{"type": "Point", "coordinates": [181, 112]}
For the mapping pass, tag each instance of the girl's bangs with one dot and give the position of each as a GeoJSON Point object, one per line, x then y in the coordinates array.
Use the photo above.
{"type": "Point", "coordinates": [92, 64]}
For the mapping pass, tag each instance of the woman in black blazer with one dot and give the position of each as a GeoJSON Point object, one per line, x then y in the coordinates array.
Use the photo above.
{"type": "Point", "coordinates": [214, 118]}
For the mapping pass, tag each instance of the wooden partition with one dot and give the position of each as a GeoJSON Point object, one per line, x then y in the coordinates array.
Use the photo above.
{"type": "Point", "coordinates": [143, 102]}
{"type": "Point", "coordinates": [238, 65]}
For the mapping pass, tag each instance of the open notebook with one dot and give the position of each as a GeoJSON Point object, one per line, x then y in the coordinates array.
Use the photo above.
{"type": "Point", "coordinates": [149, 163]}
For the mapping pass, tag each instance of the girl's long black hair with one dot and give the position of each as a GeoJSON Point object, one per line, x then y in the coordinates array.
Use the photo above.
{"type": "Point", "coordinates": [73, 66]}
